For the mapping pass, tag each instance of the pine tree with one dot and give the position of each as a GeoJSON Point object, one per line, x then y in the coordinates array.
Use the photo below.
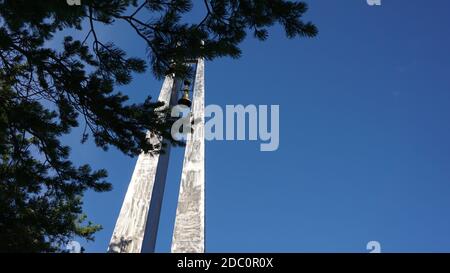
{"type": "Point", "coordinates": [45, 92]}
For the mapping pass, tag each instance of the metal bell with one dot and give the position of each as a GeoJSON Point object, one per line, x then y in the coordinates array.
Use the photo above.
{"type": "Point", "coordinates": [185, 100]}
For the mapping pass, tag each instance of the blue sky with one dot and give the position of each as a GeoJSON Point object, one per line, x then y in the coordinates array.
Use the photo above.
{"type": "Point", "coordinates": [364, 137]}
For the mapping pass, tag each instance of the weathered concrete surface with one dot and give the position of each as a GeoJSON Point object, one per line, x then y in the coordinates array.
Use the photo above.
{"type": "Point", "coordinates": [189, 231]}
{"type": "Point", "coordinates": [139, 215]}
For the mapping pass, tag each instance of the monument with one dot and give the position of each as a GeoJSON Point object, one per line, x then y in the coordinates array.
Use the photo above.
{"type": "Point", "coordinates": [137, 225]}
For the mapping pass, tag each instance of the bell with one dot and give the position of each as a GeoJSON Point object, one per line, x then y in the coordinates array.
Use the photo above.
{"type": "Point", "coordinates": [185, 99]}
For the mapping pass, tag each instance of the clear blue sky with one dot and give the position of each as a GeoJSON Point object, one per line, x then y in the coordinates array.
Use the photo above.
{"type": "Point", "coordinates": [364, 137]}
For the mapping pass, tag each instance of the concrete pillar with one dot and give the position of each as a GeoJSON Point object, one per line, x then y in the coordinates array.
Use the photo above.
{"type": "Point", "coordinates": [189, 230]}
{"type": "Point", "coordinates": [137, 224]}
